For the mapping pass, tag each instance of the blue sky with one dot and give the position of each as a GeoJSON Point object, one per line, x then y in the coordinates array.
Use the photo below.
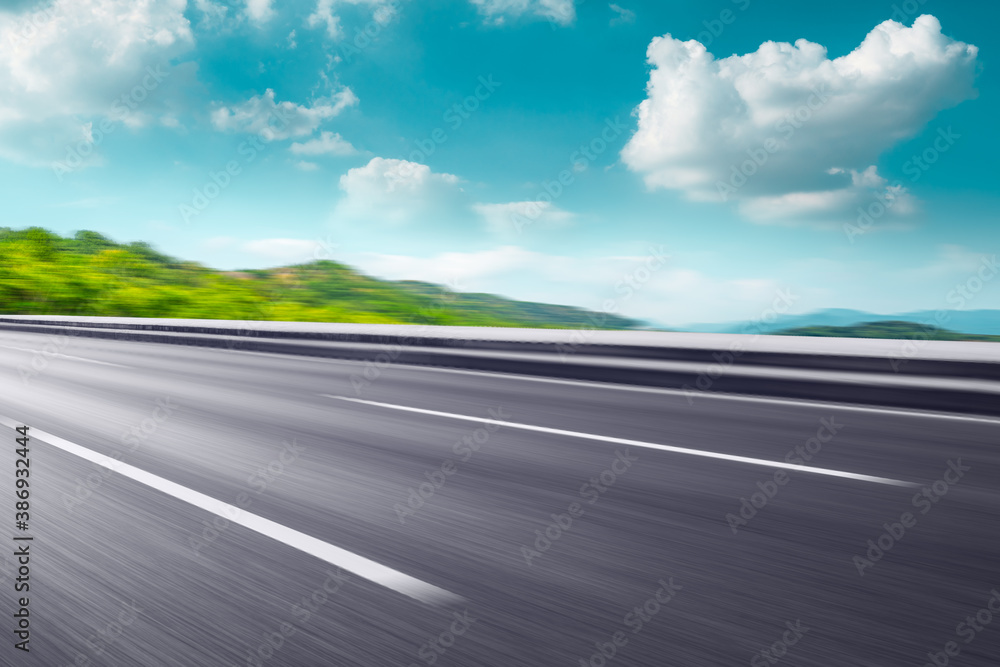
{"type": "Point", "coordinates": [427, 140]}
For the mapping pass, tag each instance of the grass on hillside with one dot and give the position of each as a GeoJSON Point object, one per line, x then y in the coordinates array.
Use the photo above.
{"type": "Point", "coordinates": [89, 274]}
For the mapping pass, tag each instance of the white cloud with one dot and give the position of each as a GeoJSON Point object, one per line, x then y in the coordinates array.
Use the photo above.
{"type": "Point", "coordinates": [396, 192]}
{"type": "Point", "coordinates": [505, 218]}
{"type": "Point", "coordinates": [562, 12]}
{"type": "Point", "coordinates": [803, 126]}
{"type": "Point", "coordinates": [623, 15]}
{"type": "Point", "coordinates": [74, 62]}
{"type": "Point", "coordinates": [276, 121]}
{"type": "Point", "coordinates": [213, 14]}
{"type": "Point", "coordinates": [825, 208]}
{"type": "Point", "coordinates": [282, 250]}
{"type": "Point", "coordinates": [303, 165]}
{"type": "Point", "coordinates": [324, 15]}
{"type": "Point", "coordinates": [259, 11]}
{"type": "Point", "coordinates": [328, 143]}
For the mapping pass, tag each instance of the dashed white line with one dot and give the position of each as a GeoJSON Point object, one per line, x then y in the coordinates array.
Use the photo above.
{"type": "Point", "coordinates": [359, 565]}
{"type": "Point", "coordinates": [638, 443]}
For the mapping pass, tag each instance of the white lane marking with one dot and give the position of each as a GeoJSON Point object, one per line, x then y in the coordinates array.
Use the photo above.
{"type": "Point", "coordinates": [64, 356]}
{"type": "Point", "coordinates": [359, 565]}
{"type": "Point", "coordinates": [651, 390]}
{"type": "Point", "coordinates": [639, 443]}
{"type": "Point", "coordinates": [680, 392]}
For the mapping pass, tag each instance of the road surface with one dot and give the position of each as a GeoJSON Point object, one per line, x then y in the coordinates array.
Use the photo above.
{"type": "Point", "coordinates": [447, 517]}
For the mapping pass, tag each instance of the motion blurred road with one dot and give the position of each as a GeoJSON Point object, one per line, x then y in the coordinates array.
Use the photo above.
{"type": "Point", "coordinates": [651, 573]}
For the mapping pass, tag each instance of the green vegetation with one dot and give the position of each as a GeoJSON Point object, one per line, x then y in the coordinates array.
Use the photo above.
{"type": "Point", "coordinates": [887, 329]}
{"type": "Point", "coordinates": [42, 273]}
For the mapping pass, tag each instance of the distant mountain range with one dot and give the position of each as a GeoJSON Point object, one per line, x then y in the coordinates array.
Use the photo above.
{"type": "Point", "coordinates": [983, 322]}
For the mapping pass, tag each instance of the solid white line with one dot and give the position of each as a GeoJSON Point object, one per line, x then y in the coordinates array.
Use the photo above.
{"type": "Point", "coordinates": [639, 443]}
{"type": "Point", "coordinates": [64, 356]}
{"type": "Point", "coordinates": [359, 565]}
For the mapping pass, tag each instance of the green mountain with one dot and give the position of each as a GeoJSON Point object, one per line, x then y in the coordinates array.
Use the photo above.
{"type": "Point", "coordinates": [886, 329]}
{"type": "Point", "coordinates": [89, 274]}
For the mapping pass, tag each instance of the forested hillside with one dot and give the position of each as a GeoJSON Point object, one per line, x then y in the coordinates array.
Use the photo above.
{"type": "Point", "coordinates": [89, 274]}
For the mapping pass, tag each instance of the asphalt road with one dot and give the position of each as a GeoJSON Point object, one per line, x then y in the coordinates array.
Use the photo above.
{"type": "Point", "coordinates": [128, 573]}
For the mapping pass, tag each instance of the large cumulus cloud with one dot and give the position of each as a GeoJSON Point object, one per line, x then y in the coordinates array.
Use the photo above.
{"type": "Point", "coordinates": [810, 126]}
